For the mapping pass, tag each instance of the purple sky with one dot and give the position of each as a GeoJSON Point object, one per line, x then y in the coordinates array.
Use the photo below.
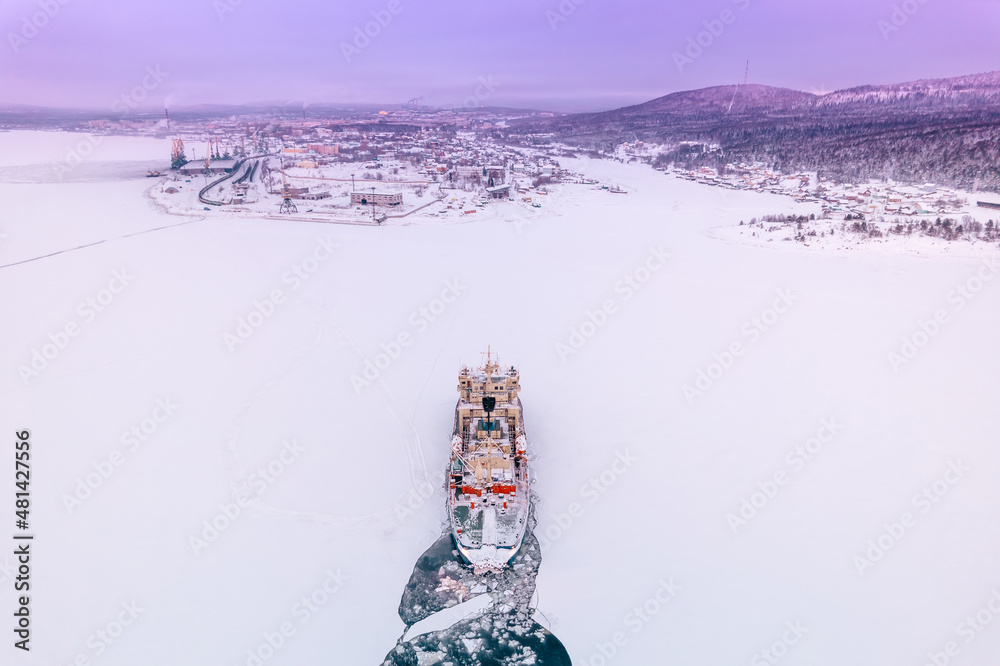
{"type": "Point", "coordinates": [603, 54]}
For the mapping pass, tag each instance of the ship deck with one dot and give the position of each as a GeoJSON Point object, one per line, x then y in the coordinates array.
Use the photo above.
{"type": "Point", "coordinates": [489, 501]}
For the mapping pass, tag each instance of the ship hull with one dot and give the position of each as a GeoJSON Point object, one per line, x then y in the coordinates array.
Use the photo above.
{"type": "Point", "coordinates": [487, 559]}
{"type": "Point", "coordinates": [488, 490]}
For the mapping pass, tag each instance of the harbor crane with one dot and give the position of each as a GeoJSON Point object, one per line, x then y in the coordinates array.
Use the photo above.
{"type": "Point", "coordinates": [287, 205]}
{"type": "Point", "coordinates": [177, 157]}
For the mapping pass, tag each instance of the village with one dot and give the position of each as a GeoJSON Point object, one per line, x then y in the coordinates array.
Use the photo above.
{"type": "Point", "coordinates": [839, 216]}
{"type": "Point", "coordinates": [867, 201]}
{"type": "Point", "coordinates": [855, 201]}
{"type": "Point", "coordinates": [907, 218]}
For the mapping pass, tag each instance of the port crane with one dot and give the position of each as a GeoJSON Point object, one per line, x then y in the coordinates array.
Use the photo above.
{"type": "Point", "coordinates": [287, 205]}
{"type": "Point", "coordinates": [177, 157]}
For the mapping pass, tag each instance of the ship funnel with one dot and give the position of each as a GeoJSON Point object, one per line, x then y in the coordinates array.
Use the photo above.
{"type": "Point", "coordinates": [489, 403]}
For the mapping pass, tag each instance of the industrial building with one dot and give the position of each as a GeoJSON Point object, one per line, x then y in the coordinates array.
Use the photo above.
{"type": "Point", "coordinates": [304, 193]}
{"type": "Point", "coordinates": [321, 149]}
{"type": "Point", "coordinates": [366, 198]}
{"type": "Point", "coordinates": [215, 167]}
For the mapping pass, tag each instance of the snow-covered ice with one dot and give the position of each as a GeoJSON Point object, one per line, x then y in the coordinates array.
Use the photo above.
{"type": "Point", "coordinates": [278, 503]}
{"type": "Point", "coordinates": [449, 616]}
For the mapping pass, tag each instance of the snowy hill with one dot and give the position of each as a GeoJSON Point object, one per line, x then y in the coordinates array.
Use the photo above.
{"type": "Point", "coordinates": [945, 130]}
{"type": "Point", "coordinates": [974, 90]}
{"type": "Point", "coordinates": [753, 97]}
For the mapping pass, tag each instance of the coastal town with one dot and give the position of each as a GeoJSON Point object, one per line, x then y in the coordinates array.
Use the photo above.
{"type": "Point", "coordinates": [363, 170]}
{"type": "Point", "coordinates": [410, 164]}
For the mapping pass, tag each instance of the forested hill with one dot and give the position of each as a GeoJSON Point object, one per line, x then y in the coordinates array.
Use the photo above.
{"type": "Point", "coordinates": [945, 130]}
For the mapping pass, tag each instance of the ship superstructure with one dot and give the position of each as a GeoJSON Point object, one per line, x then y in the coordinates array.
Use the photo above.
{"type": "Point", "coordinates": [488, 497]}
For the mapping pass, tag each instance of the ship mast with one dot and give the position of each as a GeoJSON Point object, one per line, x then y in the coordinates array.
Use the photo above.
{"type": "Point", "coordinates": [489, 366]}
{"type": "Point", "coordinates": [489, 404]}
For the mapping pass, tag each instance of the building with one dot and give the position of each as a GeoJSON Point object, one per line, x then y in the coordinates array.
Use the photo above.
{"type": "Point", "coordinates": [498, 182]}
{"type": "Point", "coordinates": [215, 167]}
{"type": "Point", "coordinates": [499, 191]}
{"type": "Point", "coordinates": [366, 198]}
{"type": "Point", "coordinates": [495, 175]}
{"type": "Point", "coordinates": [304, 193]}
{"type": "Point", "coordinates": [321, 149]}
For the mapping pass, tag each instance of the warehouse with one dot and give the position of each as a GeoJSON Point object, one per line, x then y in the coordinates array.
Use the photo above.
{"type": "Point", "coordinates": [215, 167]}
{"type": "Point", "coordinates": [366, 198]}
